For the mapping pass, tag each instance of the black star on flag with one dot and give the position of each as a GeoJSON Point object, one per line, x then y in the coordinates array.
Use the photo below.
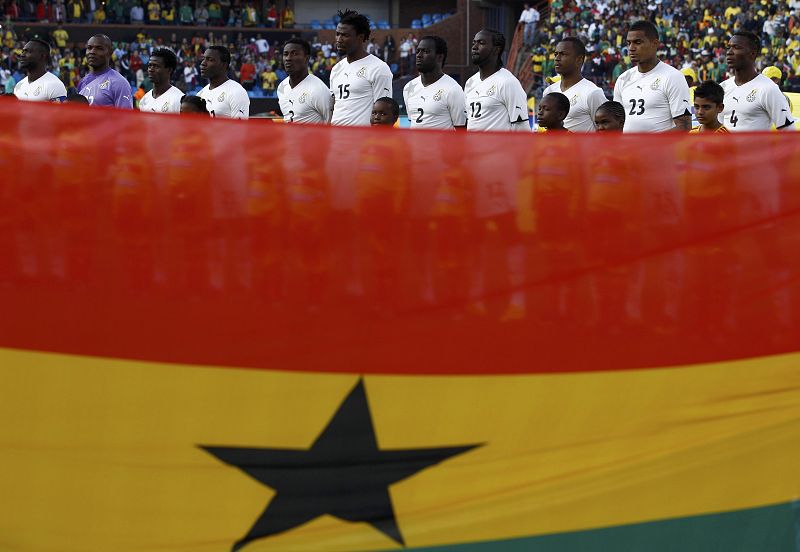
{"type": "Point", "coordinates": [343, 474]}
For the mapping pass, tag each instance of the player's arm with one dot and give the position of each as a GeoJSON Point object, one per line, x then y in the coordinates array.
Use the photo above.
{"type": "Point", "coordinates": [617, 93]}
{"type": "Point", "coordinates": [58, 93]}
{"type": "Point", "coordinates": [594, 101]}
{"type": "Point", "coordinates": [382, 83]}
{"type": "Point", "coordinates": [777, 105]}
{"type": "Point", "coordinates": [455, 105]}
{"type": "Point", "coordinates": [323, 104]}
{"type": "Point", "coordinates": [240, 105]}
{"type": "Point", "coordinates": [679, 105]}
{"type": "Point", "coordinates": [517, 106]}
{"type": "Point", "coordinates": [123, 98]}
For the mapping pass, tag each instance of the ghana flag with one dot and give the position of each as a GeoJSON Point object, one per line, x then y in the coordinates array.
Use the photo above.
{"type": "Point", "coordinates": [220, 335]}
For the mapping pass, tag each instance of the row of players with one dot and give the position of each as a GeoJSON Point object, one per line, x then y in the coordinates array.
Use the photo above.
{"type": "Point", "coordinates": [654, 96]}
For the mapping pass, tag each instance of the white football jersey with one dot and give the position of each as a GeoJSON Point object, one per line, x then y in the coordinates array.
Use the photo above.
{"type": "Point", "coordinates": [496, 103]}
{"type": "Point", "coordinates": [755, 105]}
{"type": "Point", "coordinates": [47, 88]}
{"type": "Point", "coordinates": [355, 87]}
{"type": "Point", "coordinates": [308, 102]}
{"type": "Point", "coordinates": [229, 99]}
{"type": "Point", "coordinates": [653, 99]}
{"type": "Point", "coordinates": [584, 99]}
{"type": "Point", "coordinates": [439, 105]}
{"type": "Point", "coordinates": [168, 102]}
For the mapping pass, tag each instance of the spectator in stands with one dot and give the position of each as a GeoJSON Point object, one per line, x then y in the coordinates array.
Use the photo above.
{"type": "Point", "coordinates": [185, 15]}
{"type": "Point", "coordinates": [249, 15]}
{"type": "Point", "coordinates": [137, 14]}
{"type": "Point", "coordinates": [269, 81]}
{"type": "Point", "coordinates": [247, 74]}
{"type": "Point", "coordinates": [75, 11]}
{"type": "Point", "coordinates": [168, 14]}
{"type": "Point", "coordinates": [60, 37]}
{"type": "Point", "coordinates": [201, 14]}
{"type": "Point", "coordinates": [272, 16]}
{"type": "Point", "coordinates": [287, 17]}
{"type": "Point", "coordinates": [529, 18]}
{"type": "Point", "coordinates": [153, 12]}
{"type": "Point", "coordinates": [214, 14]}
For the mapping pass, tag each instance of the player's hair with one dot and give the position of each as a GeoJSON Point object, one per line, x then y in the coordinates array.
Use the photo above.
{"type": "Point", "coordinates": [752, 39]}
{"type": "Point", "coordinates": [561, 100]}
{"type": "Point", "coordinates": [167, 56]}
{"type": "Point", "coordinates": [499, 41]}
{"type": "Point", "coordinates": [393, 103]}
{"type": "Point", "coordinates": [104, 38]}
{"type": "Point", "coordinates": [77, 98]}
{"type": "Point", "coordinates": [577, 43]}
{"type": "Point", "coordinates": [358, 21]}
{"type": "Point", "coordinates": [300, 42]}
{"type": "Point", "coordinates": [224, 53]}
{"type": "Point", "coordinates": [711, 91]}
{"type": "Point", "coordinates": [439, 44]}
{"type": "Point", "coordinates": [196, 101]}
{"type": "Point", "coordinates": [615, 109]}
{"type": "Point", "coordinates": [44, 45]}
{"type": "Point", "coordinates": [649, 30]}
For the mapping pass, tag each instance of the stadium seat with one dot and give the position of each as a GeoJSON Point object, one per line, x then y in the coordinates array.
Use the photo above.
{"type": "Point", "coordinates": [316, 25]}
{"type": "Point", "coordinates": [384, 25]}
{"type": "Point", "coordinates": [427, 20]}
{"type": "Point", "coordinates": [416, 24]}
{"type": "Point", "coordinates": [336, 18]}
{"type": "Point", "coordinates": [329, 26]}
{"type": "Point", "coordinates": [437, 17]}
{"type": "Point", "coordinates": [394, 68]}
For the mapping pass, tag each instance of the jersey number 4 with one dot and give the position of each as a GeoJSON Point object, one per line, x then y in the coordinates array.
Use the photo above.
{"type": "Point", "coordinates": [476, 109]}
{"type": "Point", "coordinates": [344, 91]}
{"type": "Point", "coordinates": [637, 104]}
{"type": "Point", "coordinates": [734, 118]}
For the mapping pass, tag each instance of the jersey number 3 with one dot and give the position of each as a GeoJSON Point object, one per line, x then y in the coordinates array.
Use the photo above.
{"type": "Point", "coordinates": [637, 104]}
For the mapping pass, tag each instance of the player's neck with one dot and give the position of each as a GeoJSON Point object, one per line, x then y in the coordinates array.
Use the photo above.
{"type": "Point", "coordinates": [489, 69]}
{"type": "Point", "coordinates": [36, 74]}
{"type": "Point", "coordinates": [742, 76]}
{"type": "Point", "coordinates": [161, 88]}
{"type": "Point", "coordinates": [297, 78]}
{"type": "Point", "coordinates": [647, 66]}
{"type": "Point", "coordinates": [99, 70]}
{"type": "Point", "coordinates": [217, 81]}
{"type": "Point", "coordinates": [431, 77]}
{"type": "Point", "coordinates": [357, 55]}
{"type": "Point", "coordinates": [568, 81]}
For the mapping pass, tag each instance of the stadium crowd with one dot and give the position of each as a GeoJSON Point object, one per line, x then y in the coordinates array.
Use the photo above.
{"type": "Point", "coordinates": [694, 35]}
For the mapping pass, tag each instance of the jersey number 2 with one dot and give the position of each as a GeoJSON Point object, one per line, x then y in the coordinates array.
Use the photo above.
{"type": "Point", "coordinates": [419, 117]}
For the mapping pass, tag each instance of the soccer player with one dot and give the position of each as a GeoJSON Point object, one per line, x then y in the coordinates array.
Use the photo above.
{"type": "Point", "coordinates": [385, 111]}
{"type": "Point", "coordinates": [584, 95]}
{"type": "Point", "coordinates": [655, 95]}
{"type": "Point", "coordinates": [224, 97]}
{"type": "Point", "coordinates": [494, 97]}
{"type": "Point", "coordinates": [752, 101]}
{"type": "Point", "coordinates": [303, 97]}
{"type": "Point", "coordinates": [164, 97]}
{"type": "Point", "coordinates": [104, 86]}
{"type": "Point", "coordinates": [434, 99]}
{"type": "Point", "coordinates": [358, 79]}
{"type": "Point", "coordinates": [193, 105]}
{"type": "Point", "coordinates": [40, 85]}
{"type": "Point", "coordinates": [553, 110]}
{"type": "Point", "coordinates": [610, 117]}
{"type": "Point", "coordinates": [708, 104]}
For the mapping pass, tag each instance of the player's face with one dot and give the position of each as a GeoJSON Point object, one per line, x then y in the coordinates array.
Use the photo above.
{"type": "Point", "coordinates": [483, 48]}
{"type": "Point", "coordinates": [566, 59]}
{"type": "Point", "coordinates": [98, 53]}
{"type": "Point", "coordinates": [347, 41]}
{"type": "Point", "coordinates": [31, 57]}
{"type": "Point", "coordinates": [739, 55]}
{"type": "Point", "coordinates": [295, 59]}
{"type": "Point", "coordinates": [605, 122]}
{"type": "Point", "coordinates": [427, 60]}
{"type": "Point", "coordinates": [381, 114]}
{"type": "Point", "coordinates": [707, 111]}
{"type": "Point", "coordinates": [641, 48]}
{"type": "Point", "coordinates": [211, 66]}
{"type": "Point", "coordinates": [549, 114]}
{"type": "Point", "coordinates": [157, 71]}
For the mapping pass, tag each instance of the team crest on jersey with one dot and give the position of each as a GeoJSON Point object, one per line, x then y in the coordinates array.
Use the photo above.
{"type": "Point", "coordinates": [362, 72]}
{"type": "Point", "coordinates": [656, 84]}
{"type": "Point", "coordinates": [492, 90]}
{"type": "Point", "coordinates": [165, 107]}
{"type": "Point", "coordinates": [221, 97]}
{"type": "Point", "coordinates": [573, 100]}
{"type": "Point", "coordinates": [302, 99]}
{"type": "Point", "coordinates": [37, 91]}
{"type": "Point", "coordinates": [751, 97]}
{"type": "Point", "coordinates": [105, 84]}
{"type": "Point", "coordinates": [438, 96]}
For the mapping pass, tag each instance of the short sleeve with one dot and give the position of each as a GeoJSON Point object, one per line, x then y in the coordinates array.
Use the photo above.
{"type": "Point", "coordinates": [240, 105]}
{"type": "Point", "coordinates": [677, 94]}
{"type": "Point", "coordinates": [382, 83]}
{"type": "Point", "coordinates": [455, 104]}
{"type": "Point", "coordinates": [777, 106]}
